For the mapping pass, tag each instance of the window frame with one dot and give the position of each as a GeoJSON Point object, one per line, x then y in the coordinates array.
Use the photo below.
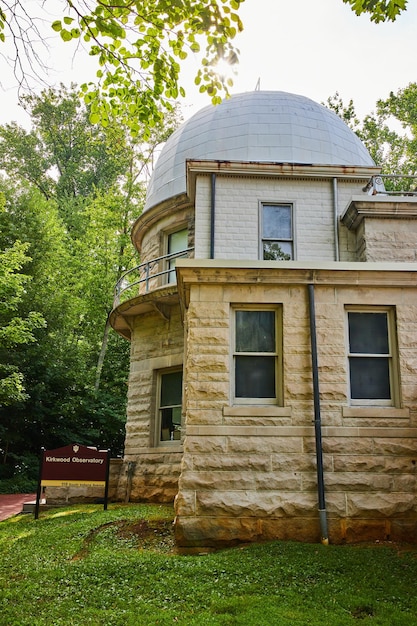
{"type": "Point", "coordinates": [158, 441]}
{"type": "Point", "coordinates": [263, 239]}
{"type": "Point", "coordinates": [391, 356]}
{"type": "Point", "coordinates": [278, 354]}
{"type": "Point", "coordinates": [169, 264]}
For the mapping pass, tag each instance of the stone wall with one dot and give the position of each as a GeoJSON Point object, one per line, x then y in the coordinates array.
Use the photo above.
{"type": "Point", "coordinates": [249, 472]}
{"type": "Point", "coordinates": [237, 204]}
{"type": "Point", "coordinates": [388, 240]}
{"type": "Point", "coordinates": [150, 471]}
{"type": "Point", "coordinates": [381, 228]}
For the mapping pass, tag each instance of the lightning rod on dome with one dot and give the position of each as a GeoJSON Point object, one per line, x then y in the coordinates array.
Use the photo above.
{"type": "Point", "coordinates": [258, 85]}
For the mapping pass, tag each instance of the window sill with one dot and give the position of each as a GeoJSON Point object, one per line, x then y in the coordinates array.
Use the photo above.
{"type": "Point", "coordinates": [377, 412]}
{"type": "Point", "coordinates": [251, 410]}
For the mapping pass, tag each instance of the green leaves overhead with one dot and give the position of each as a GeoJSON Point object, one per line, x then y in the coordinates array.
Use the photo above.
{"type": "Point", "coordinates": [378, 10]}
{"type": "Point", "coordinates": [139, 46]}
{"type": "Point", "coordinates": [390, 134]}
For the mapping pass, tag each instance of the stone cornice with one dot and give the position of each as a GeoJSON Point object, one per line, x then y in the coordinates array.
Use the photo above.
{"type": "Point", "coordinates": [272, 169]}
{"type": "Point", "coordinates": [378, 206]}
{"type": "Point", "coordinates": [219, 272]}
{"type": "Point", "coordinates": [155, 214]}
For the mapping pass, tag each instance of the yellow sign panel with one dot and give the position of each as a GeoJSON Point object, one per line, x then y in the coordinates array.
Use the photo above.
{"type": "Point", "coordinates": [73, 483]}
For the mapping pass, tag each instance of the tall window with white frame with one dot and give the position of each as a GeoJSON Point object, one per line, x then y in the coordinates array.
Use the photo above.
{"type": "Point", "coordinates": [277, 243]}
{"type": "Point", "coordinates": [373, 371]}
{"type": "Point", "coordinates": [257, 356]}
{"type": "Point", "coordinates": [169, 408]}
{"type": "Point", "coordinates": [177, 242]}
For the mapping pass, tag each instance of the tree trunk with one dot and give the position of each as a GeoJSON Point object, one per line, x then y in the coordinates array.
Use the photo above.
{"type": "Point", "coordinates": [102, 354]}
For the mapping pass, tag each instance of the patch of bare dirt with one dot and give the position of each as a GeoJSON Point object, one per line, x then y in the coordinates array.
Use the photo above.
{"type": "Point", "coordinates": [152, 535]}
{"type": "Point", "coordinates": [156, 535]}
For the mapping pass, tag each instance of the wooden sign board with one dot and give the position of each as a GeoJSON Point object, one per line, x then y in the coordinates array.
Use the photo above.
{"type": "Point", "coordinates": [74, 465]}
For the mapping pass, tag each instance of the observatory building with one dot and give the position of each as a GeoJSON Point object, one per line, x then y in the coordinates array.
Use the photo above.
{"type": "Point", "coordinates": [273, 328]}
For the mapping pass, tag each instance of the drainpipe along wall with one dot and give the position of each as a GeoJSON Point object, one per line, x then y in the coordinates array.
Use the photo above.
{"type": "Point", "coordinates": [336, 219]}
{"type": "Point", "coordinates": [212, 214]}
{"type": "Point", "coordinates": [317, 420]}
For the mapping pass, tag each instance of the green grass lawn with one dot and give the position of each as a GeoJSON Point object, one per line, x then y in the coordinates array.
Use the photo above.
{"type": "Point", "coordinates": [82, 565]}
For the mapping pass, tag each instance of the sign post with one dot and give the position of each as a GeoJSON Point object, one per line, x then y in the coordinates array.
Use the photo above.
{"type": "Point", "coordinates": [75, 466]}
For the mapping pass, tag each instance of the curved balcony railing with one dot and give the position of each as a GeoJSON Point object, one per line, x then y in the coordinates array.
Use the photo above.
{"type": "Point", "coordinates": [148, 276]}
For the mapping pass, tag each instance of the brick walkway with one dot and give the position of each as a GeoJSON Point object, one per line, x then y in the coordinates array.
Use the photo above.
{"type": "Point", "coordinates": [12, 504]}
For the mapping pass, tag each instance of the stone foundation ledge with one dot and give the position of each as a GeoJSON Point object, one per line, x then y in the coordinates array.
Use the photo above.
{"type": "Point", "coordinates": [200, 535]}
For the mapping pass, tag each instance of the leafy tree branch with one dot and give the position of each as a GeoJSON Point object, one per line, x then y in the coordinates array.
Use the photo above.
{"type": "Point", "coordinates": [139, 46]}
{"type": "Point", "coordinates": [378, 10]}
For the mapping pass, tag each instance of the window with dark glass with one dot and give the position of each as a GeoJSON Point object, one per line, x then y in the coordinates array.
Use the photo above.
{"type": "Point", "coordinates": [277, 232]}
{"type": "Point", "coordinates": [256, 356]}
{"type": "Point", "coordinates": [170, 405]}
{"type": "Point", "coordinates": [371, 367]}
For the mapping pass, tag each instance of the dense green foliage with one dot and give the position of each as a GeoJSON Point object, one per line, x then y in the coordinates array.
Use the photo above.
{"type": "Point", "coordinates": [81, 566]}
{"type": "Point", "coordinates": [14, 330]}
{"type": "Point", "coordinates": [389, 133]}
{"type": "Point", "coordinates": [71, 191]}
{"type": "Point", "coordinates": [378, 10]}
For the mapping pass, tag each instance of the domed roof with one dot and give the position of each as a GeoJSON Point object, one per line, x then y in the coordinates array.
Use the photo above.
{"type": "Point", "coordinates": [260, 126]}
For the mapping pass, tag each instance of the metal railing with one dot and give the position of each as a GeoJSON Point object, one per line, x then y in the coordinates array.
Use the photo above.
{"type": "Point", "coordinates": [148, 276]}
{"type": "Point", "coordinates": [392, 185]}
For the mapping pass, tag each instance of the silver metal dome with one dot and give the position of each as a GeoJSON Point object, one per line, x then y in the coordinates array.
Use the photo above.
{"type": "Point", "coordinates": [260, 126]}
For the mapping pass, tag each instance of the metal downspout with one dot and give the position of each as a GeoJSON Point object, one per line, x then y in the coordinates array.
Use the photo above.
{"type": "Point", "coordinates": [212, 214]}
{"type": "Point", "coordinates": [336, 219]}
{"type": "Point", "coordinates": [317, 420]}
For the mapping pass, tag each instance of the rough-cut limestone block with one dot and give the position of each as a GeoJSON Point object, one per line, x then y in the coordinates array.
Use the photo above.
{"type": "Point", "coordinates": [367, 505]}
{"type": "Point", "coordinates": [210, 377]}
{"type": "Point", "coordinates": [295, 529]}
{"type": "Point", "coordinates": [250, 503]}
{"type": "Point", "coordinates": [401, 465]}
{"type": "Point", "coordinates": [333, 392]}
{"type": "Point", "coordinates": [213, 308]}
{"type": "Point", "coordinates": [198, 363]}
{"type": "Point", "coordinates": [285, 481]}
{"type": "Point", "coordinates": [208, 323]}
{"type": "Point", "coordinates": [142, 493]}
{"type": "Point", "coordinates": [355, 530]}
{"type": "Point", "coordinates": [209, 390]}
{"type": "Point", "coordinates": [205, 445]}
{"type": "Point", "coordinates": [214, 481]}
{"type": "Point", "coordinates": [208, 417]}
{"type": "Point", "coordinates": [403, 530]}
{"type": "Point", "coordinates": [138, 428]}
{"type": "Point", "coordinates": [360, 463]}
{"type": "Point", "coordinates": [352, 481]}
{"type": "Point", "coordinates": [335, 504]}
{"type": "Point", "coordinates": [231, 480]}
{"type": "Point", "coordinates": [185, 504]}
{"type": "Point", "coordinates": [396, 447]}
{"type": "Point", "coordinates": [250, 444]}
{"type": "Point", "coordinates": [214, 532]}
{"type": "Point", "coordinates": [340, 445]}
{"type": "Point", "coordinates": [404, 483]}
{"type": "Point", "coordinates": [186, 463]}
{"type": "Point", "coordinates": [208, 338]}
{"type": "Point", "coordinates": [239, 463]}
